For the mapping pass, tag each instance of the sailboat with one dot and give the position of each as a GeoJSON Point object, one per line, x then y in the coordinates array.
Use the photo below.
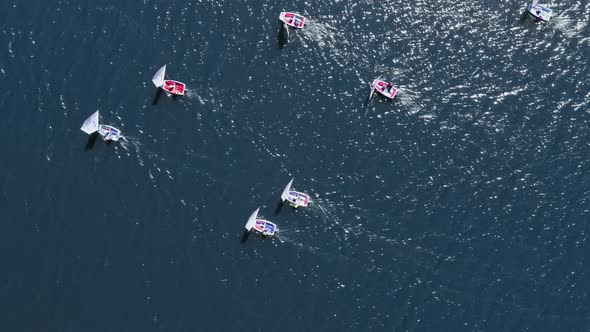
{"type": "Point", "coordinates": [295, 198]}
{"type": "Point", "coordinates": [293, 20]}
{"type": "Point", "coordinates": [384, 88]}
{"type": "Point", "coordinates": [540, 12]}
{"type": "Point", "coordinates": [171, 86]}
{"type": "Point", "coordinates": [108, 133]}
{"type": "Point", "coordinates": [264, 227]}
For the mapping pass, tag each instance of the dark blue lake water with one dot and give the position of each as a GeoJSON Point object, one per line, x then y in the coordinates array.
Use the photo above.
{"type": "Point", "coordinates": [461, 205]}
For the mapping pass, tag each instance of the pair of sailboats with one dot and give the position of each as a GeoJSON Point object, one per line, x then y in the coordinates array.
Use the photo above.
{"type": "Point", "coordinates": [267, 228]}
{"type": "Point", "coordinates": [294, 20]}
{"type": "Point", "coordinates": [110, 133]}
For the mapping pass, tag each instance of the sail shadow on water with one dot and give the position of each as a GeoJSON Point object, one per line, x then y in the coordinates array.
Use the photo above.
{"type": "Point", "coordinates": [366, 103]}
{"type": "Point", "coordinates": [368, 99]}
{"type": "Point", "coordinates": [245, 236]}
{"type": "Point", "coordinates": [283, 35]}
{"type": "Point", "coordinates": [157, 96]}
{"type": "Point", "coordinates": [279, 207]}
{"type": "Point", "coordinates": [91, 141]}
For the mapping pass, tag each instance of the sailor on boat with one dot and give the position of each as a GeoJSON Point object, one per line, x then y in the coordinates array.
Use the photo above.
{"type": "Point", "coordinates": [389, 86]}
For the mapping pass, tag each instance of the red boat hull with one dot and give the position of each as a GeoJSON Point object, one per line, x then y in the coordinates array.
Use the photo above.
{"type": "Point", "coordinates": [174, 87]}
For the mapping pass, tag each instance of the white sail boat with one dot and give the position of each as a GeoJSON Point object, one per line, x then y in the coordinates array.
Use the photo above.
{"type": "Point", "coordinates": [261, 226]}
{"type": "Point", "coordinates": [384, 88]}
{"type": "Point", "coordinates": [108, 133]}
{"type": "Point", "coordinates": [292, 19]}
{"type": "Point", "coordinates": [373, 86]}
{"type": "Point", "coordinates": [171, 86]}
{"type": "Point", "coordinates": [295, 198]}
{"type": "Point", "coordinates": [540, 12]}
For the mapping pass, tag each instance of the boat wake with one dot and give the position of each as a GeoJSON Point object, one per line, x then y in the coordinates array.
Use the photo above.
{"type": "Point", "coordinates": [323, 34]}
{"type": "Point", "coordinates": [192, 94]}
{"type": "Point", "coordinates": [134, 148]}
{"type": "Point", "coordinates": [130, 143]}
{"type": "Point", "coordinates": [410, 99]}
{"type": "Point", "coordinates": [568, 27]}
{"type": "Point", "coordinates": [331, 222]}
{"type": "Point", "coordinates": [285, 237]}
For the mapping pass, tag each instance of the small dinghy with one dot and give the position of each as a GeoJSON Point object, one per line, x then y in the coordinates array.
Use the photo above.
{"type": "Point", "coordinates": [295, 198]}
{"type": "Point", "coordinates": [384, 88]}
{"type": "Point", "coordinates": [264, 227]}
{"type": "Point", "coordinates": [171, 86]}
{"type": "Point", "coordinates": [540, 12]}
{"type": "Point", "coordinates": [293, 20]}
{"type": "Point", "coordinates": [108, 133]}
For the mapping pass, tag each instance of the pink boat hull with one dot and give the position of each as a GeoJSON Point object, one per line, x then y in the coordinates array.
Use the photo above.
{"type": "Point", "coordinates": [381, 86]}
{"type": "Point", "coordinates": [293, 20]}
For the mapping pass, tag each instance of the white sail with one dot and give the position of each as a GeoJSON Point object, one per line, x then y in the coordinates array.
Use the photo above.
{"type": "Point", "coordinates": [159, 77]}
{"type": "Point", "coordinates": [252, 220]}
{"type": "Point", "coordinates": [286, 27]}
{"type": "Point", "coordinates": [373, 86]}
{"type": "Point", "coordinates": [285, 193]}
{"type": "Point", "coordinates": [91, 124]}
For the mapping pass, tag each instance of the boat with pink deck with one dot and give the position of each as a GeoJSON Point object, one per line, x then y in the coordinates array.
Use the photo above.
{"type": "Point", "coordinates": [170, 86]}
{"type": "Point", "coordinates": [295, 198]}
{"type": "Point", "coordinates": [264, 227]}
{"type": "Point", "coordinates": [384, 88]}
{"type": "Point", "coordinates": [293, 20]}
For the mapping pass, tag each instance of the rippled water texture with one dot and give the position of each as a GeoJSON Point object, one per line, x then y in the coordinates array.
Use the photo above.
{"type": "Point", "coordinates": [460, 205]}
